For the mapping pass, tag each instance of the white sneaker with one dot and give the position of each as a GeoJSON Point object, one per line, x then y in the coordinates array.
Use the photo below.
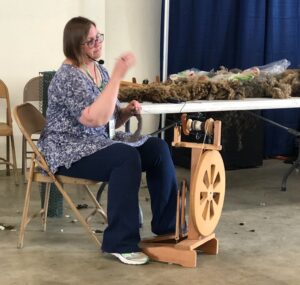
{"type": "Point", "coordinates": [134, 258]}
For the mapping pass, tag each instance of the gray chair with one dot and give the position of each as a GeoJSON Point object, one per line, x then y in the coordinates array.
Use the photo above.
{"type": "Point", "coordinates": [6, 130]}
{"type": "Point", "coordinates": [31, 93]}
{"type": "Point", "coordinates": [31, 121]}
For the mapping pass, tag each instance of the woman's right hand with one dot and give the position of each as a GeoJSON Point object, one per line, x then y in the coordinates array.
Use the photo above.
{"type": "Point", "coordinates": [123, 64]}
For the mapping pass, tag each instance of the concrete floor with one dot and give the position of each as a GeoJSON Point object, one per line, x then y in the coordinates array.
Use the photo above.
{"type": "Point", "coordinates": [258, 232]}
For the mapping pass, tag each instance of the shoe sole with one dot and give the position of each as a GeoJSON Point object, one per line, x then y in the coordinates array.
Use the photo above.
{"type": "Point", "coordinates": [126, 261]}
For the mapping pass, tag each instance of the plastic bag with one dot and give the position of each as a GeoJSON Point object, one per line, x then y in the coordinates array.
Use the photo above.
{"type": "Point", "coordinates": [275, 67]}
{"type": "Point", "coordinates": [189, 73]}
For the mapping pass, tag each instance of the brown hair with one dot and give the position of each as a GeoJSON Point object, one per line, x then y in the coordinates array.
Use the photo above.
{"type": "Point", "coordinates": [75, 33]}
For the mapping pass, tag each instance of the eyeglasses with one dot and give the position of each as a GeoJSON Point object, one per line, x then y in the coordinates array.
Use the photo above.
{"type": "Point", "coordinates": [92, 42]}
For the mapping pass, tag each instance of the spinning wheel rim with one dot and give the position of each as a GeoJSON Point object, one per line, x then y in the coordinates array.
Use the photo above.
{"type": "Point", "coordinates": [208, 192]}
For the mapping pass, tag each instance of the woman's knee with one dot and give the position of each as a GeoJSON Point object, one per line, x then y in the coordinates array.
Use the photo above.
{"type": "Point", "coordinates": [157, 144]}
{"type": "Point", "coordinates": [126, 154]}
{"type": "Point", "coordinates": [161, 149]}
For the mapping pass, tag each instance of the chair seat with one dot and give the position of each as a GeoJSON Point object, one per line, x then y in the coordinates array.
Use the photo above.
{"type": "Point", "coordinates": [40, 177]}
{"type": "Point", "coordinates": [5, 130]}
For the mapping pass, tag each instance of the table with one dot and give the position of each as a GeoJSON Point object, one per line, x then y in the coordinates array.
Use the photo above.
{"type": "Point", "coordinates": [220, 105]}
{"type": "Point", "coordinates": [231, 105]}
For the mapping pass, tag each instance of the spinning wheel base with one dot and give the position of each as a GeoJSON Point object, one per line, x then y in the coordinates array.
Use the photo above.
{"type": "Point", "coordinates": [183, 253]}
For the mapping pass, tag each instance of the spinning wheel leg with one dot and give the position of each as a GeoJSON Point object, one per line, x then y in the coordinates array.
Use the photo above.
{"type": "Point", "coordinates": [210, 247]}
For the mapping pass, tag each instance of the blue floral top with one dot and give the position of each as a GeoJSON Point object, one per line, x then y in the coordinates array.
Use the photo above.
{"type": "Point", "coordinates": [64, 139]}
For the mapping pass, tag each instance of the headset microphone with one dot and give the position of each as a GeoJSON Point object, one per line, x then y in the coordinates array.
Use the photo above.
{"type": "Point", "coordinates": [100, 61]}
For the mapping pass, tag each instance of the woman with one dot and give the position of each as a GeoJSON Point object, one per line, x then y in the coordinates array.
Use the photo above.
{"type": "Point", "coordinates": [82, 104]}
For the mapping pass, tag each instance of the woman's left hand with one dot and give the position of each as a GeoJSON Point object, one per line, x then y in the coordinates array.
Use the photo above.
{"type": "Point", "coordinates": [133, 108]}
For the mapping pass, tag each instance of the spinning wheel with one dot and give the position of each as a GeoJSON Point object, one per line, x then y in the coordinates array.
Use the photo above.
{"type": "Point", "coordinates": [207, 192]}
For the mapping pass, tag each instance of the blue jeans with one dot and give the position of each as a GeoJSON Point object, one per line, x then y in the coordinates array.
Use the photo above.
{"type": "Point", "coordinates": [121, 166]}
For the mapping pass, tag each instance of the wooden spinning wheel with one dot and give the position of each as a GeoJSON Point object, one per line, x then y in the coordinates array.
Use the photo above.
{"type": "Point", "coordinates": [207, 192]}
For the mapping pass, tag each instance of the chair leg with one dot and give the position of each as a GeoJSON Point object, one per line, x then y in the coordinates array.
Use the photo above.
{"type": "Point", "coordinates": [25, 219]}
{"type": "Point", "coordinates": [7, 157]}
{"type": "Point", "coordinates": [23, 155]}
{"type": "Point", "coordinates": [98, 208]}
{"type": "Point", "coordinates": [14, 160]}
{"type": "Point", "coordinates": [46, 205]}
{"type": "Point", "coordinates": [77, 213]}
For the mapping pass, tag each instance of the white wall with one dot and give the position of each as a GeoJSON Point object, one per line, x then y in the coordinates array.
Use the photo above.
{"type": "Point", "coordinates": [135, 26]}
{"type": "Point", "coordinates": [31, 40]}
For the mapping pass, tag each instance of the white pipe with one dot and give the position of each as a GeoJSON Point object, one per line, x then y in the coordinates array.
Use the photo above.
{"type": "Point", "coordinates": [166, 40]}
{"type": "Point", "coordinates": [165, 55]}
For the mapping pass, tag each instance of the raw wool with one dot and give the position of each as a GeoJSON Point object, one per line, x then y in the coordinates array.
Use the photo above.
{"type": "Point", "coordinates": [292, 78]}
{"type": "Point", "coordinates": [269, 87]}
{"type": "Point", "coordinates": [216, 87]}
{"type": "Point", "coordinates": [182, 90]}
{"type": "Point", "coordinates": [274, 89]}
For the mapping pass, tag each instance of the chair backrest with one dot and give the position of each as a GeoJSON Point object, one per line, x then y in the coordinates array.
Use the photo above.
{"type": "Point", "coordinates": [5, 95]}
{"type": "Point", "coordinates": [31, 91]}
{"type": "Point", "coordinates": [30, 121]}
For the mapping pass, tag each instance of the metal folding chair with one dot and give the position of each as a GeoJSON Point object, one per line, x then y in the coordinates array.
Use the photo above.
{"type": "Point", "coordinates": [6, 130]}
{"type": "Point", "coordinates": [31, 121]}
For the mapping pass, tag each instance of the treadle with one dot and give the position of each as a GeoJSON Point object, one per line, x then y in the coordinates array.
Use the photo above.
{"type": "Point", "coordinates": [170, 254]}
{"type": "Point", "coordinates": [183, 252]}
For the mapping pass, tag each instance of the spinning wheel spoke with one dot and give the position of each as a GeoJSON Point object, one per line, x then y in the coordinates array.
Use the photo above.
{"type": "Point", "coordinates": [216, 198]}
{"type": "Point", "coordinates": [205, 210]}
{"type": "Point", "coordinates": [214, 205]}
{"type": "Point", "coordinates": [203, 204]}
{"type": "Point", "coordinates": [209, 211]}
{"type": "Point", "coordinates": [216, 180]}
{"type": "Point", "coordinates": [218, 189]}
{"type": "Point", "coordinates": [203, 197]}
{"type": "Point", "coordinates": [206, 179]}
{"type": "Point", "coordinates": [212, 174]}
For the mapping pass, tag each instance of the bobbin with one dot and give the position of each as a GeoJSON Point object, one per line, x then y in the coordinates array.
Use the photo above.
{"type": "Point", "coordinates": [189, 125]}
